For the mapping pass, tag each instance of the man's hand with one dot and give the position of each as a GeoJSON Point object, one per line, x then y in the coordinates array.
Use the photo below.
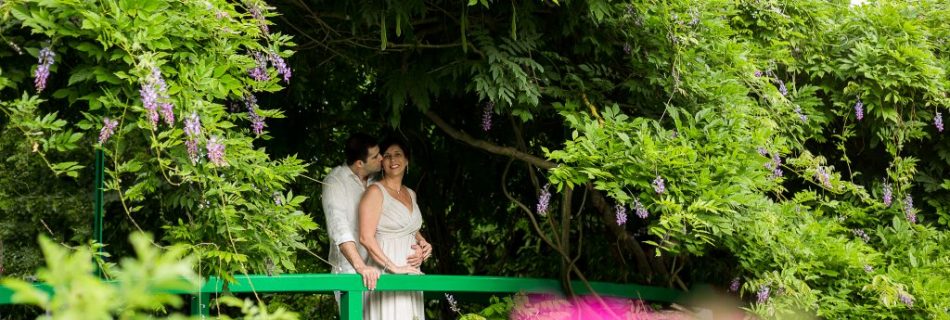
{"type": "Point", "coordinates": [370, 276]}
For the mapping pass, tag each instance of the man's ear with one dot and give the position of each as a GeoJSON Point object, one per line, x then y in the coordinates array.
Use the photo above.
{"type": "Point", "coordinates": [360, 163]}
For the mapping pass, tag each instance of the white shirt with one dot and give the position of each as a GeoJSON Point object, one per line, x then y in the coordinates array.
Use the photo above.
{"type": "Point", "coordinates": [342, 191]}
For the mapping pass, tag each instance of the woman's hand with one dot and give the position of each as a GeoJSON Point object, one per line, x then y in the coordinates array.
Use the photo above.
{"type": "Point", "coordinates": [426, 249]}
{"type": "Point", "coordinates": [420, 253]}
{"type": "Point", "coordinates": [416, 258]}
{"type": "Point", "coordinates": [406, 269]}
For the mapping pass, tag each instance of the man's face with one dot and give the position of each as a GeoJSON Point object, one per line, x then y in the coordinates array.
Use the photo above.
{"type": "Point", "coordinates": [373, 160]}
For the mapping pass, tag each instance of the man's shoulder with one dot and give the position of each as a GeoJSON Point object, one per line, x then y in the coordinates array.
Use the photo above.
{"type": "Point", "coordinates": [336, 174]}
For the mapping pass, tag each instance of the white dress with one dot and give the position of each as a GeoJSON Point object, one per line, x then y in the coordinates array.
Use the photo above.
{"type": "Point", "coordinates": [395, 234]}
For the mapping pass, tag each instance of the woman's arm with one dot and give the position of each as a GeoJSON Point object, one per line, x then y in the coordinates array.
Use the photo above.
{"type": "Point", "coordinates": [370, 209]}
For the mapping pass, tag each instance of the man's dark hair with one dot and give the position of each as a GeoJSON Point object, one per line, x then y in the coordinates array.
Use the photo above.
{"type": "Point", "coordinates": [394, 141]}
{"type": "Point", "coordinates": [357, 147]}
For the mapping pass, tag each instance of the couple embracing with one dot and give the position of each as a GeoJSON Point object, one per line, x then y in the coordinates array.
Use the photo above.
{"type": "Point", "coordinates": [374, 224]}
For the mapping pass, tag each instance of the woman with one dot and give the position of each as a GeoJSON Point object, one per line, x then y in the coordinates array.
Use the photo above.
{"type": "Point", "coordinates": [389, 229]}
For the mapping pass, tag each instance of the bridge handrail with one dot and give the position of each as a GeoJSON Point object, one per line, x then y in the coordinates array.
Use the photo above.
{"type": "Point", "coordinates": [351, 285]}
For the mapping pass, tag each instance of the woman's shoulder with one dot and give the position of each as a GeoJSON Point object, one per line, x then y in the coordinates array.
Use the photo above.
{"type": "Point", "coordinates": [411, 192]}
{"type": "Point", "coordinates": [374, 189]}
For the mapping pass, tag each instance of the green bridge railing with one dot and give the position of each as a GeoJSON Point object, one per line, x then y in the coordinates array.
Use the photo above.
{"type": "Point", "coordinates": [351, 286]}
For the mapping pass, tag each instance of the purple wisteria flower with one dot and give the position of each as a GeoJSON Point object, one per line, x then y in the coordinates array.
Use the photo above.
{"type": "Point", "coordinates": [168, 113]}
{"type": "Point", "coordinates": [278, 199]}
{"type": "Point", "coordinates": [763, 294]}
{"type": "Point", "coordinates": [192, 131]}
{"type": "Point", "coordinates": [861, 234]}
{"type": "Point", "coordinates": [192, 125]}
{"type": "Point", "coordinates": [938, 121]}
{"type": "Point", "coordinates": [909, 209]}
{"type": "Point", "coordinates": [543, 200]}
{"type": "Point", "coordinates": [639, 210]}
{"type": "Point", "coordinates": [486, 115]}
{"type": "Point", "coordinates": [868, 268]}
{"type": "Point", "coordinates": [762, 151]}
{"type": "Point", "coordinates": [452, 303]}
{"type": "Point", "coordinates": [215, 151]}
{"type": "Point", "coordinates": [888, 194]}
{"type": "Point", "coordinates": [192, 147]}
{"type": "Point", "coordinates": [823, 176]}
{"type": "Point", "coordinates": [907, 300]}
{"type": "Point", "coordinates": [775, 165]}
{"type": "Point", "coordinates": [859, 109]}
{"type": "Point", "coordinates": [108, 128]}
{"type": "Point", "coordinates": [249, 101]}
{"type": "Point", "coordinates": [658, 185]}
{"type": "Point", "coordinates": [259, 71]}
{"type": "Point", "coordinates": [734, 286]}
{"type": "Point", "coordinates": [257, 122]}
{"type": "Point", "coordinates": [801, 116]}
{"type": "Point", "coordinates": [258, 16]}
{"type": "Point", "coordinates": [621, 213]}
{"type": "Point", "coordinates": [282, 68]}
{"type": "Point", "coordinates": [781, 88]}
{"type": "Point", "coordinates": [154, 91]}
{"type": "Point", "coordinates": [150, 102]}
{"type": "Point", "coordinates": [627, 48]}
{"type": "Point", "coordinates": [42, 69]}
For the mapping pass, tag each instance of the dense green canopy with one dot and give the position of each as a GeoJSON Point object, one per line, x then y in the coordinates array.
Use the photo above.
{"type": "Point", "coordinates": [794, 148]}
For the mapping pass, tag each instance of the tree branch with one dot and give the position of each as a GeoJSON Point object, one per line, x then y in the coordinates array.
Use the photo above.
{"type": "Point", "coordinates": [597, 198]}
{"type": "Point", "coordinates": [488, 146]}
{"type": "Point", "coordinates": [631, 244]}
{"type": "Point", "coordinates": [567, 263]}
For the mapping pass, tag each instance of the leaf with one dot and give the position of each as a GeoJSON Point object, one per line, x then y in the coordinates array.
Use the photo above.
{"type": "Point", "coordinates": [26, 293]}
{"type": "Point", "coordinates": [382, 33]}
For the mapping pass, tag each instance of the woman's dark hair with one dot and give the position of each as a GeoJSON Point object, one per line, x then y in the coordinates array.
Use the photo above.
{"type": "Point", "coordinates": [394, 141]}
{"type": "Point", "coordinates": [357, 147]}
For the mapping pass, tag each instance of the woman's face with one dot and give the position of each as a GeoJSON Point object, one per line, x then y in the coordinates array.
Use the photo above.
{"type": "Point", "coordinates": [394, 161]}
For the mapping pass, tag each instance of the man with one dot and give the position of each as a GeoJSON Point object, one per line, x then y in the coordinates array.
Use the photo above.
{"type": "Point", "coordinates": [342, 190]}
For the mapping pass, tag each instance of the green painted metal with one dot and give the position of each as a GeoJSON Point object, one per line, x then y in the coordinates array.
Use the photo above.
{"type": "Point", "coordinates": [351, 285]}
{"type": "Point", "coordinates": [351, 305]}
{"type": "Point", "coordinates": [200, 304]}
{"type": "Point", "coordinates": [97, 205]}
{"type": "Point", "coordinates": [6, 295]}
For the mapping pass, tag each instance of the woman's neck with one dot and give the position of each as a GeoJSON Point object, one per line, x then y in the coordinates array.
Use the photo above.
{"type": "Point", "coordinates": [394, 183]}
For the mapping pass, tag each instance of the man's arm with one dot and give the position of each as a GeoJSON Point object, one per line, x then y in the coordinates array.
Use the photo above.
{"type": "Point", "coordinates": [338, 228]}
{"type": "Point", "coordinates": [370, 274]}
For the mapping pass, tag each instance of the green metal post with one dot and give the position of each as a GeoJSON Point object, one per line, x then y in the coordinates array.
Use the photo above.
{"type": "Point", "coordinates": [351, 305]}
{"type": "Point", "coordinates": [199, 305]}
{"type": "Point", "coordinates": [97, 224]}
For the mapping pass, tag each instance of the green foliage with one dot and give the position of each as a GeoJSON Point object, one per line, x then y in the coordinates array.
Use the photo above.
{"type": "Point", "coordinates": [801, 244]}
{"type": "Point", "coordinates": [79, 294]}
{"type": "Point", "coordinates": [617, 94]}
{"type": "Point", "coordinates": [139, 287]}
{"type": "Point", "coordinates": [237, 212]}
{"type": "Point", "coordinates": [33, 201]}
{"type": "Point", "coordinates": [498, 309]}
